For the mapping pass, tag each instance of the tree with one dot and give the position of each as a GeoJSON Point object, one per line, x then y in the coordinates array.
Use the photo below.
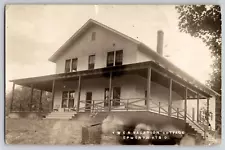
{"type": "Point", "coordinates": [204, 21]}
{"type": "Point", "coordinates": [21, 100]}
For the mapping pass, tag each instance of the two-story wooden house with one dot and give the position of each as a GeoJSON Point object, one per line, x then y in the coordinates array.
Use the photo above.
{"type": "Point", "coordinates": [102, 70]}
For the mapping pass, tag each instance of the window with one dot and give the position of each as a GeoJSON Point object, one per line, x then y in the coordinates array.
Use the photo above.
{"type": "Point", "coordinates": [110, 59]}
{"type": "Point", "coordinates": [116, 96]}
{"type": "Point", "coordinates": [71, 65]}
{"type": "Point", "coordinates": [67, 65]}
{"type": "Point", "coordinates": [68, 99]}
{"type": "Point", "coordinates": [74, 64]}
{"type": "Point", "coordinates": [115, 58]}
{"type": "Point", "coordinates": [71, 99]}
{"type": "Point", "coordinates": [91, 62]}
{"type": "Point", "coordinates": [93, 36]}
{"type": "Point", "coordinates": [64, 99]}
{"type": "Point", "coordinates": [119, 57]}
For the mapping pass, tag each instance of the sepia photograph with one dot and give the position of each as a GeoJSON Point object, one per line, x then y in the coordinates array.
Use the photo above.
{"type": "Point", "coordinates": [113, 74]}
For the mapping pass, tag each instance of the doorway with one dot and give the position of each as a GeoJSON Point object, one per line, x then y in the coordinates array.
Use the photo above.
{"type": "Point", "coordinates": [88, 101]}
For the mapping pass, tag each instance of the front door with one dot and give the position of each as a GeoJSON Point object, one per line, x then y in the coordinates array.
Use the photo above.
{"type": "Point", "coordinates": [116, 96]}
{"type": "Point", "coordinates": [88, 101]}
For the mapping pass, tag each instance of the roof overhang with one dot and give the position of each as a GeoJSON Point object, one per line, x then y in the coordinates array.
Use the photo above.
{"type": "Point", "coordinates": [45, 82]}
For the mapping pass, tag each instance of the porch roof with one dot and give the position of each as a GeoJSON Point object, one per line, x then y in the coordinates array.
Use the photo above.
{"type": "Point", "coordinates": [45, 82]}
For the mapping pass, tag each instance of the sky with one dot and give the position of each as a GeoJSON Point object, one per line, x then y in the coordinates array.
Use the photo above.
{"type": "Point", "coordinates": [35, 32]}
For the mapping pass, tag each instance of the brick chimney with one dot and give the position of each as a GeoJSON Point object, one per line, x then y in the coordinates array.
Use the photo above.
{"type": "Point", "coordinates": [160, 42]}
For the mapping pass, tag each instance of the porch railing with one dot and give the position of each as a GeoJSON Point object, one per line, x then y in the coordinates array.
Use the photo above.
{"type": "Point", "coordinates": [139, 104]}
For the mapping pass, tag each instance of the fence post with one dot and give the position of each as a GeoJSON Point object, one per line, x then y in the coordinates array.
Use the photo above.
{"type": "Point", "coordinates": [177, 113]}
{"type": "Point", "coordinates": [159, 107]}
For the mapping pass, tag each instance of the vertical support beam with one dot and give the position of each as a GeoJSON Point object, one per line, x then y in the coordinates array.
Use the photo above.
{"type": "Point", "coordinates": [31, 96]}
{"type": "Point", "coordinates": [12, 98]}
{"type": "Point", "coordinates": [198, 108]}
{"type": "Point", "coordinates": [193, 114]}
{"type": "Point", "coordinates": [53, 93]}
{"type": "Point", "coordinates": [110, 90]}
{"type": "Point", "coordinates": [78, 94]}
{"type": "Point", "coordinates": [170, 97]}
{"type": "Point", "coordinates": [40, 101]}
{"type": "Point", "coordinates": [148, 87]}
{"type": "Point", "coordinates": [185, 104]}
{"type": "Point", "coordinates": [207, 112]}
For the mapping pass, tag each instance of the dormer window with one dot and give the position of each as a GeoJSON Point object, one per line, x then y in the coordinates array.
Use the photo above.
{"type": "Point", "coordinates": [71, 65]}
{"type": "Point", "coordinates": [93, 36]}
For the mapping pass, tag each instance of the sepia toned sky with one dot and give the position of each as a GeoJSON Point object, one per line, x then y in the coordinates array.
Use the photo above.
{"type": "Point", "coordinates": [35, 32]}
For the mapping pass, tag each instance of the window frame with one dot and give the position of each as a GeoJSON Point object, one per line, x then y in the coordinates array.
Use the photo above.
{"type": "Point", "coordinates": [93, 36]}
{"type": "Point", "coordinates": [76, 60]}
{"type": "Point", "coordinates": [67, 69]}
{"type": "Point", "coordinates": [115, 56]}
{"type": "Point", "coordinates": [70, 69]}
{"type": "Point", "coordinates": [118, 61]}
{"type": "Point", "coordinates": [68, 98]}
{"type": "Point", "coordinates": [91, 65]}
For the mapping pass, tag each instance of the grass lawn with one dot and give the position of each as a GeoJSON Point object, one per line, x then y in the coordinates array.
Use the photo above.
{"type": "Point", "coordinates": [27, 131]}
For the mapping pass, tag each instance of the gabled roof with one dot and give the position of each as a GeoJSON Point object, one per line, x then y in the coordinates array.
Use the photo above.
{"type": "Point", "coordinates": [83, 29]}
{"type": "Point", "coordinates": [160, 60]}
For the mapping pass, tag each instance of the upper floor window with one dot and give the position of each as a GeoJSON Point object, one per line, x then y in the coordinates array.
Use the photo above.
{"type": "Point", "coordinates": [93, 36]}
{"type": "Point", "coordinates": [67, 65]}
{"type": "Point", "coordinates": [74, 65]}
{"type": "Point", "coordinates": [71, 65]}
{"type": "Point", "coordinates": [110, 59]}
{"type": "Point", "coordinates": [115, 58]}
{"type": "Point", "coordinates": [91, 62]}
{"type": "Point", "coordinates": [119, 57]}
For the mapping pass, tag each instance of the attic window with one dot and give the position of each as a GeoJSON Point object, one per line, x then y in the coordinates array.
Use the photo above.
{"type": "Point", "coordinates": [93, 36]}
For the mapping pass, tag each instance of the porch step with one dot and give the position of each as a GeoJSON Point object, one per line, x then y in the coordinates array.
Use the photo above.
{"type": "Point", "coordinates": [209, 137]}
{"type": "Point", "coordinates": [61, 115]}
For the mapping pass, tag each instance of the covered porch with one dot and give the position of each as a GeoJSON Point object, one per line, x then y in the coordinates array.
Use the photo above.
{"type": "Point", "coordinates": [186, 88]}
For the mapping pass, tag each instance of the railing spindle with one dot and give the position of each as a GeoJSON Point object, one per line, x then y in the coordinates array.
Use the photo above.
{"type": "Point", "coordinates": [159, 107]}
{"type": "Point", "coordinates": [177, 113]}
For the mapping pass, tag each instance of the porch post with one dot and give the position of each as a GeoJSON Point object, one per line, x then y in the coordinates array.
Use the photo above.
{"type": "Point", "coordinates": [185, 104]}
{"type": "Point", "coordinates": [12, 98]}
{"type": "Point", "coordinates": [40, 103]}
{"type": "Point", "coordinates": [207, 111]}
{"type": "Point", "coordinates": [198, 107]}
{"type": "Point", "coordinates": [31, 96]}
{"type": "Point", "coordinates": [78, 93]}
{"type": "Point", "coordinates": [53, 93]}
{"type": "Point", "coordinates": [170, 97]}
{"type": "Point", "coordinates": [148, 87]}
{"type": "Point", "coordinates": [110, 90]}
